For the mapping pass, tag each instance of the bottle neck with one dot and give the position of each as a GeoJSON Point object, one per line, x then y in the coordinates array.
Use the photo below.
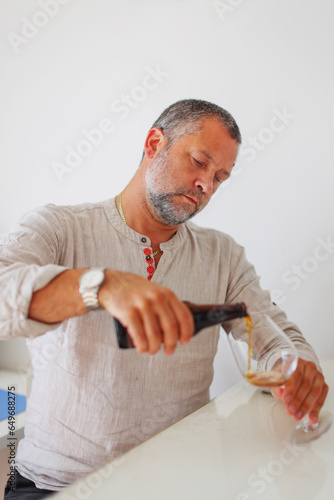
{"type": "Point", "coordinates": [215, 314]}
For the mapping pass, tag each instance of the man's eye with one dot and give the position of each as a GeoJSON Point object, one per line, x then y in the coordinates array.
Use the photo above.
{"type": "Point", "coordinates": [218, 180]}
{"type": "Point", "coordinates": [198, 162]}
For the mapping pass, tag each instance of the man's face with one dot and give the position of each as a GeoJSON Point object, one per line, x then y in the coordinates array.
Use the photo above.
{"type": "Point", "coordinates": [180, 180]}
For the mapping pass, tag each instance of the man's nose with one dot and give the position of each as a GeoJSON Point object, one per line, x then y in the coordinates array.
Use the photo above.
{"type": "Point", "coordinates": [205, 183]}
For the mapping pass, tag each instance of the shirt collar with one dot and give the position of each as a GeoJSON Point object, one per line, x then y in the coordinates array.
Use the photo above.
{"type": "Point", "coordinates": [117, 222]}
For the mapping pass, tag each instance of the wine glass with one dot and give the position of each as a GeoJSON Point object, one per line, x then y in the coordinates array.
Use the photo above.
{"type": "Point", "coordinates": [253, 338]}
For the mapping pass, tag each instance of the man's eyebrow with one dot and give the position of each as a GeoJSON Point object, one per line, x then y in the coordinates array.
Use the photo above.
{"type": "Point", "coordinates": [225, 172]}
{"type": "Point", "coordinates": [209, 157]}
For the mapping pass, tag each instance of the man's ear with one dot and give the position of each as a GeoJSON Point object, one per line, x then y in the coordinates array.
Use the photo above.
{"type": "Point", "coordinates": [155, 141]}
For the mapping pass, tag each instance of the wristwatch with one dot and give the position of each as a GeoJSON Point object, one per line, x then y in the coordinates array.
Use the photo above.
{"type": "Point", "coordinates": [89, 285]}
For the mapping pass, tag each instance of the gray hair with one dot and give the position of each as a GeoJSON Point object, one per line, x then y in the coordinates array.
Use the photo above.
{"type": "Point", "coordinates": [185, 117]}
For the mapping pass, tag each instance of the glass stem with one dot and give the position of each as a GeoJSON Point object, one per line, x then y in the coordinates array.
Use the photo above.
{"type": "Point", "coordinates": [307, 425]}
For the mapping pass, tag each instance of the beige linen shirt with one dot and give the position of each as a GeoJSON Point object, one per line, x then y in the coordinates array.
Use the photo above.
{"type": "Point", "coordinates": [91, 401]}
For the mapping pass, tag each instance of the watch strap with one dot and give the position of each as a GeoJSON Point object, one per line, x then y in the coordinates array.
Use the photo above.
{"type": "Point", "coordinates": [90, 299]}
{"type": "Point", "coordinates": [89, 295]}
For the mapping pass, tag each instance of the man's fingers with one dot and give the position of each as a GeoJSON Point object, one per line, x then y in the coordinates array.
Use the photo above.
{"type": "Point", "coordinates": [136, 331]}
{"type": "Point", "coordinates": [303, 395]}
{"type": "Point", "coordinates": [161, 326]}
{"type": "Point", "coordinates": [305, 391]}
{"type": "Point", "coordinates": [176, 322]}
{"type": "Point", "coordinates": [163, 319]}
{"type": "Point", "coordinates": [314, 413]}
{"type": "Point", "coordinates": [313, 391]}
{"type": "Point", "coordinates": [185, 321]}
{"type": "Point", "coordinates": [293, 385]}
{"type": "Point", "coordinates": [170, 328]}
{"type": "Point", "coordinates": [152, 314]}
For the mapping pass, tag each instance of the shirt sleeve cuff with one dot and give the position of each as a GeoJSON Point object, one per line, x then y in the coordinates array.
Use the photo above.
{"type": "Point", "coordinates": [28, 279]}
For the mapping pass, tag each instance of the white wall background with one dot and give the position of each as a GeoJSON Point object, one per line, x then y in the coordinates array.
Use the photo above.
{"type": "Point", "coordinates": [68, 64]}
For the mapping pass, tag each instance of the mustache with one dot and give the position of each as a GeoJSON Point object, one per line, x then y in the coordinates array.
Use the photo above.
{"type": "Point", "coordinates": [192, 194]}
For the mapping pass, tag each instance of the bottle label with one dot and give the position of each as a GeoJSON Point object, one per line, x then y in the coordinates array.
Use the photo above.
{"type": "Point", "coordinates": [216, 316]}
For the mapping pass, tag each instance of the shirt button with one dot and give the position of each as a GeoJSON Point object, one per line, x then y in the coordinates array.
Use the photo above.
{"type": "Point", "coordinates": [148, 257]}
{"type": "Point", "coordinates": [143, 240]}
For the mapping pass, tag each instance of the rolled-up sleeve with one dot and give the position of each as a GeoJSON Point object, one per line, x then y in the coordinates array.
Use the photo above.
{"type": "Point", "coordinates": [29, 260]}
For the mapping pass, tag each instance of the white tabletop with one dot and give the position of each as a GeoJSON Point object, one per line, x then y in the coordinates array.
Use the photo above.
{"type": "Point", "coordinates": [235, 447]}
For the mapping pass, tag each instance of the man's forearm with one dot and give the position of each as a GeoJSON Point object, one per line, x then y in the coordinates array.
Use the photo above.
{"type": "Point", "coordinates": [152, 313]}
{"type": "Point", "coordinates": [58, 300]}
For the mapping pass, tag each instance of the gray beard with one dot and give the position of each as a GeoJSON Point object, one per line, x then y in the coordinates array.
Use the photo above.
{"type": "Point", "coordinates": [163, 203]}
{"type": "Point", "coordinates": [164, 208]}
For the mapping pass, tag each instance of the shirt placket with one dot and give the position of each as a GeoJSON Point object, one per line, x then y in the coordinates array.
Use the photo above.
{"type": "Point", "coordinates": [150, 263]}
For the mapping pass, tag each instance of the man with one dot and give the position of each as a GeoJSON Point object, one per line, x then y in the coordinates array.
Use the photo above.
{"type": "Point", "coordinates": [66, 271]}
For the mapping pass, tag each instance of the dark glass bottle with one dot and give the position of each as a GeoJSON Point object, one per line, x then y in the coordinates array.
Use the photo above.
{"type": "Point", "coordinates": [204, 316]}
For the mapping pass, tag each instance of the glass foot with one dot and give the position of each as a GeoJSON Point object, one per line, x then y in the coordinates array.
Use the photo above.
{"type": "Point", "coordinates": [305, 431]}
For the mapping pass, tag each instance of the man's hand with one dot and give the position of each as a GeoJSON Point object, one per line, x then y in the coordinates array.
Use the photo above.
{"type": "Point", "coordinates": [304, 392]}
{"type": "Point", "coordinates": [151, 313]}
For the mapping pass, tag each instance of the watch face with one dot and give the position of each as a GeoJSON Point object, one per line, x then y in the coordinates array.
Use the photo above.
{"type": "Point", "coordinates": [92, 278]}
